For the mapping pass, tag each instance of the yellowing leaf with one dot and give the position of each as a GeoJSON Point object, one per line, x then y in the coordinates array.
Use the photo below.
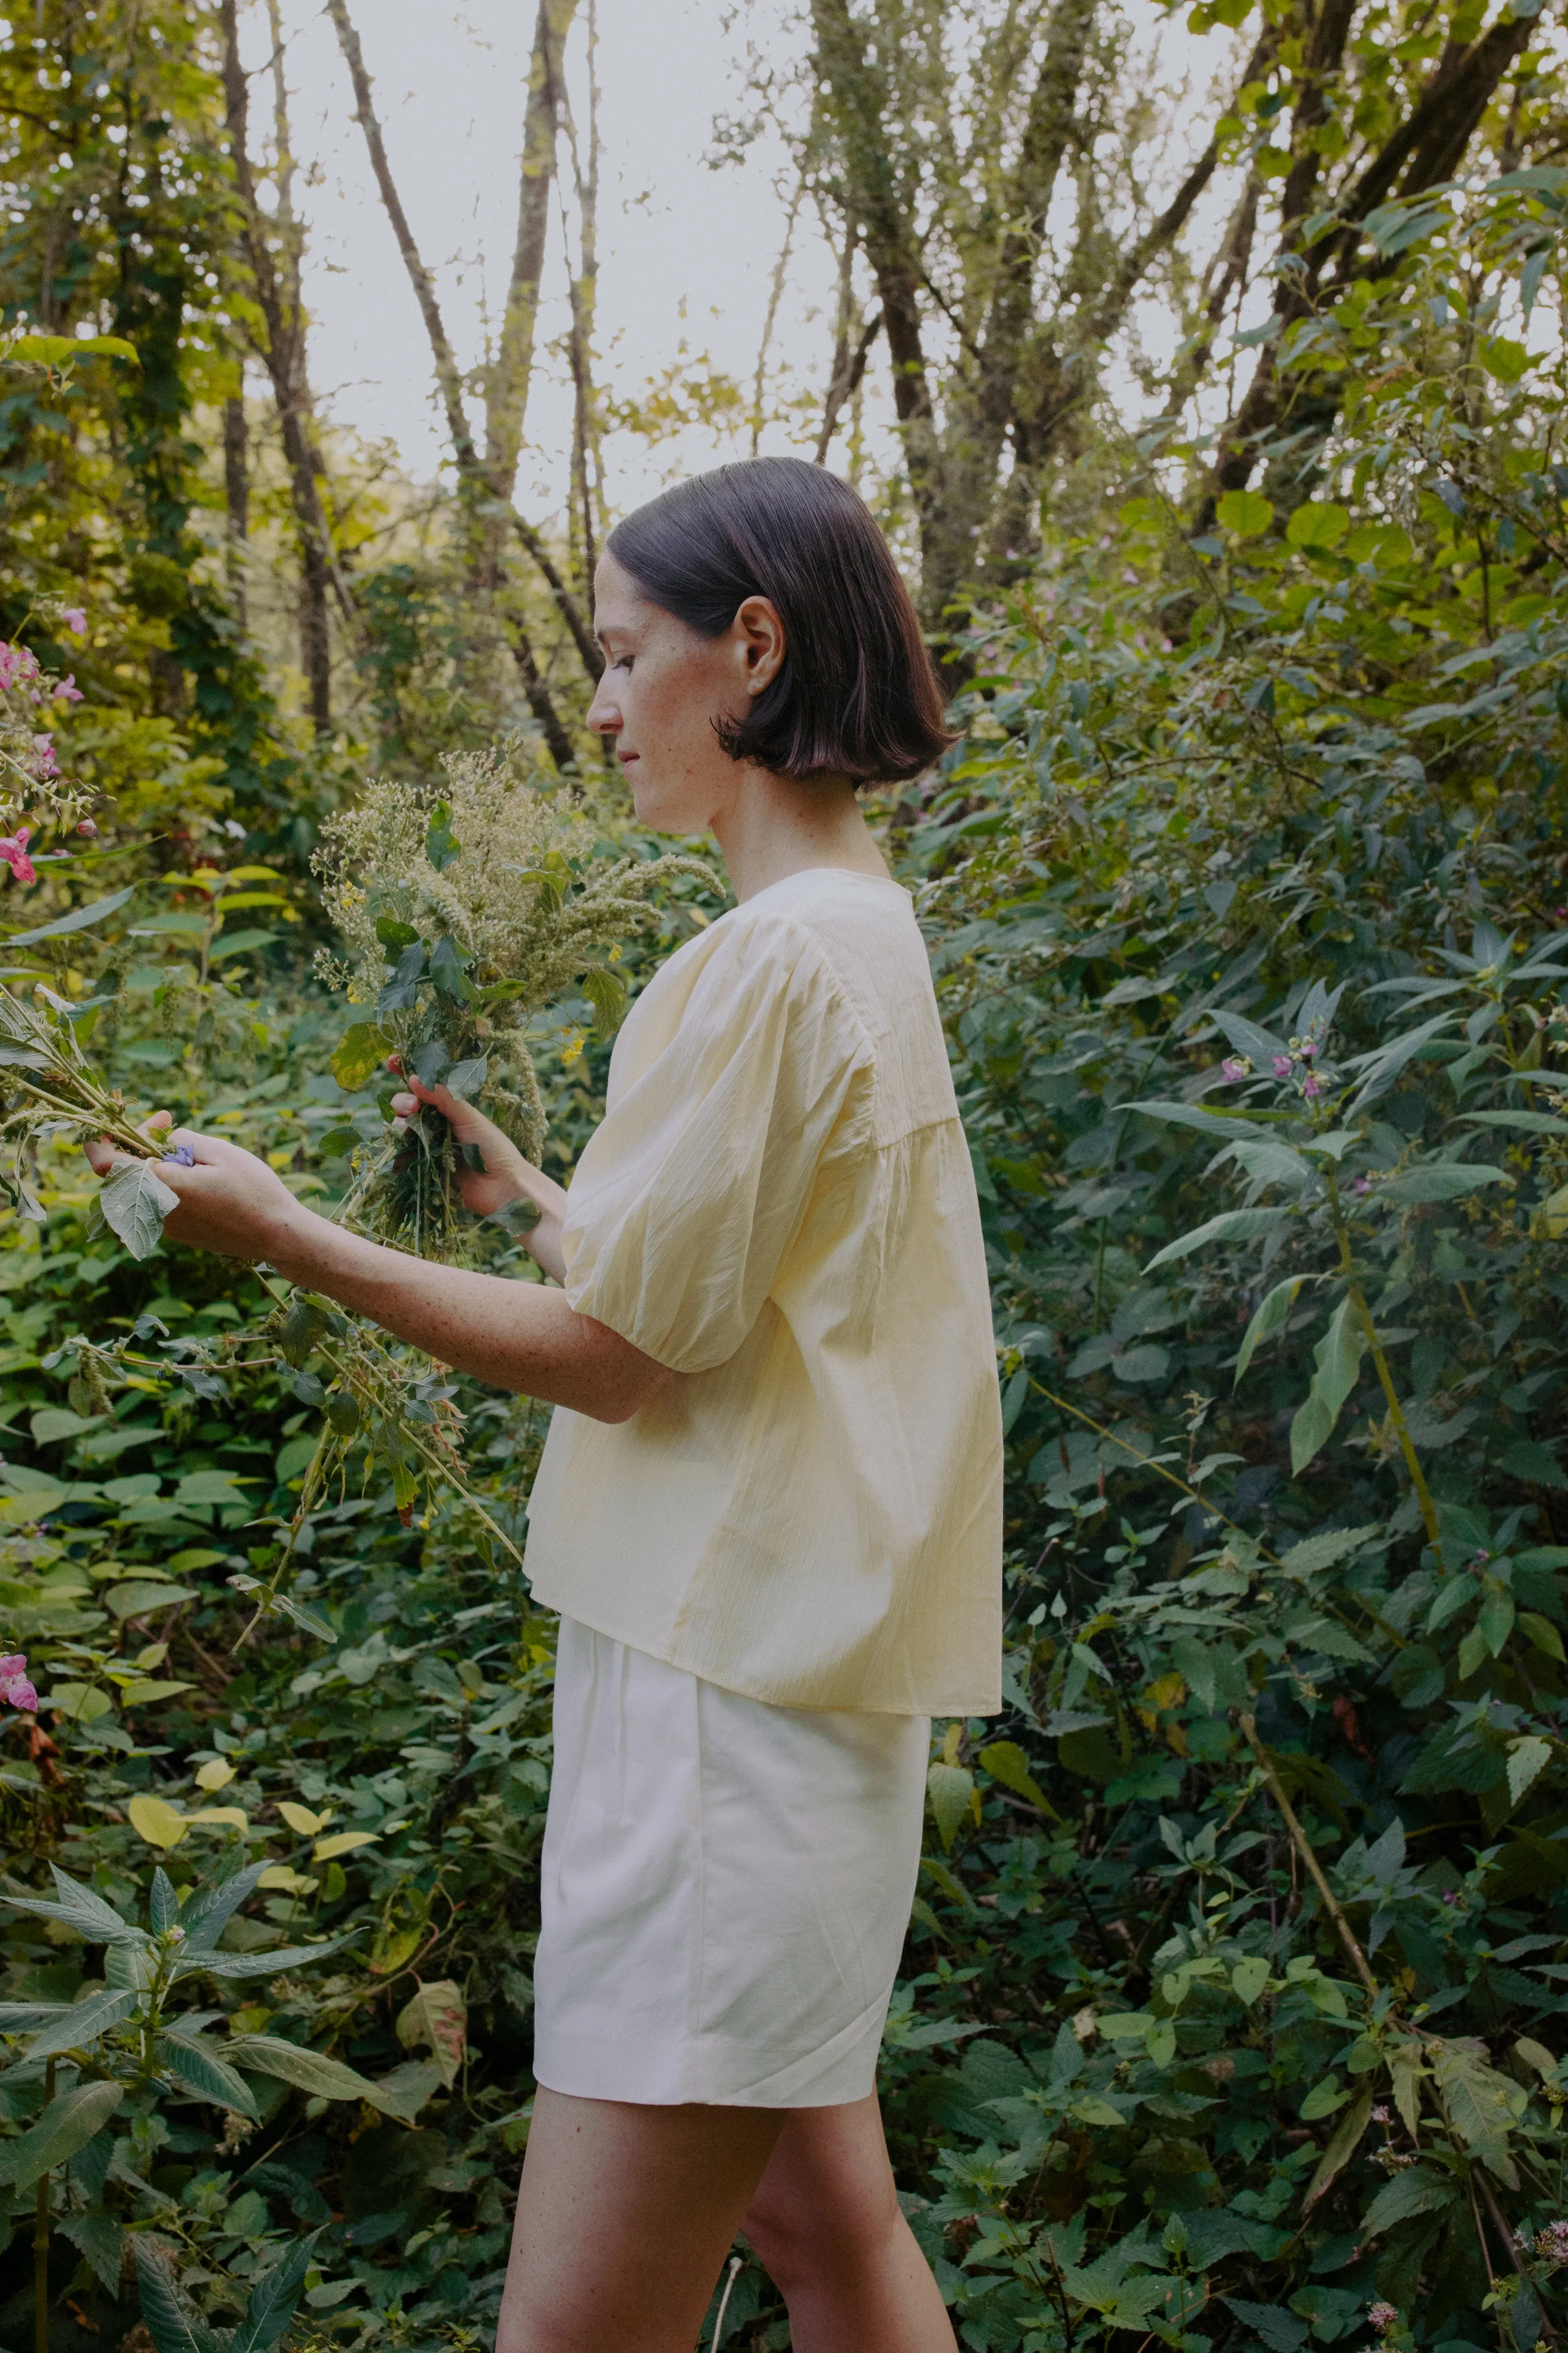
{"type": "Point", "coordinates": [344, 1843]}
{"type": "Point", "coordinates": [144, 1690]}
{"type": "Point", "coordinates": [157, 1823]}
{"type": "Point", "coordinates": [80, 1701]}
{"type": "Point", "coordinates": [1244, 512]}
{"type": "Point", "coordinates": [439, 2016]}
{"type": "Point", "coordinates": [215, 1774]}
{"type": "Point", "coordinates": [301, 1818]}
{"type": "Point", "coordinates": [1006, 1762]}
{"type": "Point", "coordinates": [277, 1874]}
{"type": "Point", "coordinates": [234, 1815]}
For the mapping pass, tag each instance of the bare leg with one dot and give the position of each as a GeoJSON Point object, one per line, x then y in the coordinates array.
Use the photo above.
{"type": "Point", "coordinates": [826, 2224]}
{"type": "Point", "coordinates": [624, 2219]}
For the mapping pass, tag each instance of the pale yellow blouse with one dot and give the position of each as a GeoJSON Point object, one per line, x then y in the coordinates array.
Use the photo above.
{"type": "Point", "coordinates": [780, 1205]}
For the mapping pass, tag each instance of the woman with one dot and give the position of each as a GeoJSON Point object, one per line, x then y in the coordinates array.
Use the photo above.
{"type": "Point", "coordinates": [768, 1508]}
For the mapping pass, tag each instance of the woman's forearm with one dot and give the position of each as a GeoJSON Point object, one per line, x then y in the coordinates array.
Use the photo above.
{"type": "Point", "coordinates": [516, 1335]}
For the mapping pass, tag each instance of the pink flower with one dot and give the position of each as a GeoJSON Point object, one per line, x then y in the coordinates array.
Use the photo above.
{"type": "Point", "coordinates": [14, 851]}
{"type": "Point", "coordinates": [1383, 2317]}
{"type": "Point", "coordinates": [1380, 2115]}
{"type": "Point", "coordinates": [1281, 1066]}
{"type": "Point", "coordinates": [45, 763]}
{"type": "Point", "coordinates": [1312, 1085]}
{"type": "Point", "coordinates": [14, 1688]}
{"type": "Point", "coordinates": [1233, 1068]}
{"type": "Point", "coordinates": [75, 619]}
{"type": "Point", "coordinates": [1553, 2243]}
{"type": "Point", "coordinates": [68, 690]}
{"type": "Point", "coordinates": [1306, 1048]}
{"type": "Point", "coordinates": [1364, 1183]}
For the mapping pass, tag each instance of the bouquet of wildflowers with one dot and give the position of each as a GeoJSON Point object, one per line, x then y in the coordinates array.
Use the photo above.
{"type": "Point", "coordinates": [462, 916]}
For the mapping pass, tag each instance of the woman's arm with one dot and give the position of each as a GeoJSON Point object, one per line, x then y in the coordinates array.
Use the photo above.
{"type": "Point", "coordinates": [517, 1335]}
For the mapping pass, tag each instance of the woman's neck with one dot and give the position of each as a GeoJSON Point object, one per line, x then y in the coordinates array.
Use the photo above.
{"type": "Point", "coordinates": [774, 826]}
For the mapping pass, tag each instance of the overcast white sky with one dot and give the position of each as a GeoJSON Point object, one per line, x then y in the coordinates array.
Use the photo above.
{"type": "Point", "coordinates": [686, 253]}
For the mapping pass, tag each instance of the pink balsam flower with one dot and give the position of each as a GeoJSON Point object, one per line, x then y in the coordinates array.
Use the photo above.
{"type": "Point", "coordinates": [1281, 1066]}
{"type": "Point", "coordinates": [15, 1687]}
{"type": "Point", "coordinates": [14, 851]}
{"type": "Point", "coordinates": [1383, 2317]}
{"type": "Point", "coordinates": [75, 618]}
{"type": "Point", "coordinates": [1233, 1068]}
{"type": "Point", "coordinates": [68, 690]}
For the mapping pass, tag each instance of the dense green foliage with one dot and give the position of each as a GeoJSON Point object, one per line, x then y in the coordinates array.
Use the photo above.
{"type": "Point", "coordinates": [1226, 2017]}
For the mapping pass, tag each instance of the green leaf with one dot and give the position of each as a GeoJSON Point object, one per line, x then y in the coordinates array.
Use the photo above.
{"type": "Point", "coordinates": [951, 1788]}
{"type": "Point", "coordinates": [81, 919]}
{"type": "Point", "coordinates": [1482, 2104]}
{"type": "Point", "coordinates": [1325, 2099]}
{"type": "Point", "coordinates": [171, 2323]}
{"type": "Point", "coordinates": [1244, 512]}
{"type": "Point", "coordinates": [1337, 1356]}
{"type": "Point", "coordinates": [360, 1050]}
{"type": "Point", "coordinates": [1248, 1978]}
{"type": "Point", "coordinates": [1230, 1226]}
{"type": "Point", "coordinates": [81, 1909]}
{"type": "Point", "coordinates": [1282, 2331]}
{"type": "Point", "coordinates": [79, 2027]}
{"type": "Point", "coordinates": [1006, 1762]}
{"type": "Point", "coordinates": [607, 993]}
{"type": "Point", "coordinates": [260, 1964]}
{"type": "Point", "coordinates": [203, 2072]}
{"type": "Point", "coordinates": [1315, 1553]}
{"type": "Point", "coordinates": [59, 350]}
{"type": "Point", "coordinates": [404, 2090]}
{"type": "Point", "coordinates": [273, 2298]}
{"type": "Point", "coordinates": [1313, 526]}
{"type": "Point", "coordinates": [1273, 1311]}
{"type": "Point", "coordinates": [1473, 1654]}
{"type": "Point", "coordinates": [441, 846]}
{"type": "Point", "coordinates": [66, 2125]}
{"type": "Point", "coordinates": [139, 1594]}
{"type": "Point", "coordinates": [1443, 1180]}
{"type": "Point", "coordinates": [1527, 1759]}
{"type": "Point", "coordinates": [99, 2237]}
{"type": "Point", "coordinates": [1540, 1633]}
{"type": "Point", "coordinates": [135, 1201]}
{"type": "Point", "coordinates": [1342, 2149]}
{"type": "Point", "coordinates": [293, 2063]}
{"type": "Point", "coordinates": [1503, 359]}
{"type": "Point", "coordinates": [1417, 2191]}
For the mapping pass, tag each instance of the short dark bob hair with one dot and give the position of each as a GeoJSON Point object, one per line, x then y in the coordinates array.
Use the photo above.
{"type": "Point", "coordinates": [856, 694]}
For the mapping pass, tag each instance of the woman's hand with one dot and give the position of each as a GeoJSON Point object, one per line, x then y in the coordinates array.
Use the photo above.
{"type": "Point", "coordinates": [506, 1176]}
{"type": "Point", "coordinates": [230, 1201]}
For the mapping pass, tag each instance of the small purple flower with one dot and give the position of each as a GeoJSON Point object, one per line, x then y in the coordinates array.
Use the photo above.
{"type": "Point", "coordinates": [1308, 1049]}
{"type": "Point", "coordinates": [1234, 1068]}
{"type": "Point", "coordinates": [1281, 1066]}
{"type": "Point", "coordinates": [1553, 2243]}
{"type": "Point", "coordinates": [75, 618]}
{"type": "Point", "coordinates": [1364, 1183]}
{"type": "Point", "coordinates": [182, 1156]}
{"type": "Point", "coordinates": [1311, 1086]}
{"type": "Point", "coordinates": [1380, 2115]}
{"type": "Point", "coordinates": [1383, 2317]}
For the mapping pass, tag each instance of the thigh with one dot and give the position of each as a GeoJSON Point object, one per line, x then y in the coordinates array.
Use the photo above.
{"type": "Point", "coordinates": [625, 2216]}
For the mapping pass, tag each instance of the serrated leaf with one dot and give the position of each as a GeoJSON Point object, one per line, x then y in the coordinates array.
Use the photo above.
{"type": "Point", "coordinates": [207, 1914]}
{"type": "Point", "coordinates": [1006, 1762]}
{"type": "Point", "coordinates": [171, 2323]}
{"type": "Point", "coordinates": [1479, 2102]}
{"type": "Point", "coordinates": [203, 2073]}
{"type": "Point", "coordinates": [272, 2300]}
{"type": "Point", "coordinates": [1246, 513]}
{"type": "Point", "coordinates": [1337, 1358]}
{"type": "Point", "coordinates": [1314, 1553]}
{"type": "Point", "coordinates": [1416, 2191]}
{"type": "Point", "coordinates": [99, 2238]}
{"type": "Point", "coordinates": [1248, 1978]}
{"type": "Point", "coordinates": [1527, 1760]}
{"type": "Point", "coordinates": [67, 2124]}
{"type": "Point", "coordinates": [607, 993]}
{"type": "Point", "coordinates": [951, 1788]}
{"type": "Point", "coordinates": [81, 2023]}
{"type": "Point", "coordinates": [135, 1201]}
{"type": "Point", "coordinates": [81, 1909]}
{"type": "Point", "coordinates": [261, 1964]}
{"type": "Point", "coordinates": [1405, 2073]}
{"type": "Point", "coordinates": [360, 1051]}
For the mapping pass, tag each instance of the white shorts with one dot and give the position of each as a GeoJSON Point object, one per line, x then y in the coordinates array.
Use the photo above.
{"type": "Point", "coordinates": [725, 1889]}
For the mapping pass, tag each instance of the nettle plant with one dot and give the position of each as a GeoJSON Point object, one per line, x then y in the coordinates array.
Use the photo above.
{"type": "Point", "coordinates": [97, 2072]}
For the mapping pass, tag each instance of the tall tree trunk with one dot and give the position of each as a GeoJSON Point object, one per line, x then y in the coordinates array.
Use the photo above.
{"type": "Point", "coordinates": [284, 355]}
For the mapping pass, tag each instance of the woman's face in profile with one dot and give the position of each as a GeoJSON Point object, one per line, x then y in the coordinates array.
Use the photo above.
{"type": "Point", "coordinates": [663, 688]}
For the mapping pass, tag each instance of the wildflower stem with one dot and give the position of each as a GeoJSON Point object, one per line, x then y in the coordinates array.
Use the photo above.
{"type": "Point", "coordinates": [1303, 1848]}
{"type": "Point", "coordinates": [1401, 1428]}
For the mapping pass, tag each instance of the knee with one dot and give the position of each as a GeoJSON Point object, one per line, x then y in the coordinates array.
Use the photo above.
{"type": "Point", "coordinates": [796, 2235]}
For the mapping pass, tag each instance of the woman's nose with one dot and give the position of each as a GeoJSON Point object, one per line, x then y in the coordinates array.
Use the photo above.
{"type": "Point", "coordinates": [603, 718]}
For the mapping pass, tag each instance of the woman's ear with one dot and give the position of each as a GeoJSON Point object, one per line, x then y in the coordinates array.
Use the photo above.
{"type": "Point", "coordinates": [759, 637]}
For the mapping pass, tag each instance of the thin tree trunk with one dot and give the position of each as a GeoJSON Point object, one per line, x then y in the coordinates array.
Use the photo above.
{"type": "Point", "coordinates": [237, 499]}
{"type": "Point", "coordinates": [776, 296]}
{"type": "Point", "coordinates": [474, 482]}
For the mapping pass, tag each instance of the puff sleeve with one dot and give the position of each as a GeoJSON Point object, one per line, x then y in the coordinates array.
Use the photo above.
{"type": "Point", "coordinates": [688, 1198]}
